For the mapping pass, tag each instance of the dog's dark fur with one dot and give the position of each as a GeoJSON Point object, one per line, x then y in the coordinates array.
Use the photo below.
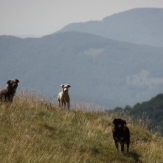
{"type": "Point", "coordinates": [121, 133]}
{"type": "Point", "coordinates": [7, 93]}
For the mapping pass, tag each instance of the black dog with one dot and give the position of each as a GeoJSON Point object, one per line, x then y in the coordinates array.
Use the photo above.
{"type": "Point", "coordinates": [121, 133]}
{"type": "Point", "coordinates": [7, 93]}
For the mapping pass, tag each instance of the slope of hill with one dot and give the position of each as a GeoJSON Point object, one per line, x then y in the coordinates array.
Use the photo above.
{"type": "Point", "coordinates": [32, 130]}
{"type": "Point", "coordinates": [106, 72]}
{"type": "Point", "coordinates": [141, 25]}
{"type": "Point", "coordinates": [152, 110]}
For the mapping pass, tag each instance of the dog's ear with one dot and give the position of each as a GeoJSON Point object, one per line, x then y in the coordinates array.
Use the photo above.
{"type": "Point", "coordinates": [62, 85]}
{"type": "Point", "coordinates": [8, 82]}
{"type": "Point", "coordinates": [114, 121]}
{"type": "Point", "coordinates": [68, 85]}
{"type": "Point", "coordinates": [17, 80]}
{"type": "Point", "coordinates": [123, 122]}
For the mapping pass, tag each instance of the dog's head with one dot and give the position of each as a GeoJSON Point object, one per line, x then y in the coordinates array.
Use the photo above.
{"type": "Point", "coordinates": [65, 87]}
{"type": "Point", "coordinates": [13, 84]}
{"type": "Point", "coordinates": [119, 123]}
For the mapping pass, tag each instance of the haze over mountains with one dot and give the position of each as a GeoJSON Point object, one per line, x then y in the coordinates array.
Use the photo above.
{"type": "Point", "coordinates": [104, 70]}
{"type": "Point", "coordinates": [140, 25]}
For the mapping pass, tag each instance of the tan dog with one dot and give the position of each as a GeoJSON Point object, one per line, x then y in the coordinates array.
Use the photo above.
{"type": "Point", "coordinates": [63, 97]}
{"type": "Point", "coordinates": [7, 93]}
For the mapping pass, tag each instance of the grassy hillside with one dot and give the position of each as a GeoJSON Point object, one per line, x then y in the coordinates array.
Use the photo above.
{"type": "Point", "coordinates": [34, 131]}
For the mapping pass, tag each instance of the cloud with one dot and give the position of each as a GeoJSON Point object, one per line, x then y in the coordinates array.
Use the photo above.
{"type": "Point", "coordinates": [143, 79]}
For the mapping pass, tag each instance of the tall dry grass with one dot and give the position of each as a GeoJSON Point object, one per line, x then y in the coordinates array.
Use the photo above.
{"type": "Point", "coordinates": [36, 130]}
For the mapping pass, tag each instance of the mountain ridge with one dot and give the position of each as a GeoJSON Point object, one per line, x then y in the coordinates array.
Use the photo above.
{"type": "Point", "coordinates": [140, 25]}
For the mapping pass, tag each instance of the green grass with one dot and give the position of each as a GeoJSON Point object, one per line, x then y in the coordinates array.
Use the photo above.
{"type": "Point", "coordinates": [33, 131]}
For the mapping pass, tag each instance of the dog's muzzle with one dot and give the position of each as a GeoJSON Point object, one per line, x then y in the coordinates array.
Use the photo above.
{"type": "Point", "coordinates": [65, 90]}
{"type": "Point", "coordinates": [119, 125]}
{"type": "Point", "coordinates": [15, 85]}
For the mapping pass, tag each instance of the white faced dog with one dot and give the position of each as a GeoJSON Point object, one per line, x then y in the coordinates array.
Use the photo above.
{"type": "Point", "coordinates": [63, 97]}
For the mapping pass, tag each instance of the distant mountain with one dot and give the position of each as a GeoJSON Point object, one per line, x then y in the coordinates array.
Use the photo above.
{"type": "Point", "coordinates": [141, 26]}
{"type": "Point", "coordinates": [100, 70]}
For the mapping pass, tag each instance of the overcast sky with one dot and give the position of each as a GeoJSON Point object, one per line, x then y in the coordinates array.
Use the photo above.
{"type": "Point", "coordinates": [42, 17]}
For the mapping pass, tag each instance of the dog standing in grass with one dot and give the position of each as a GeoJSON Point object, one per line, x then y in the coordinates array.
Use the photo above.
{"type": "Point", "coordinates": [8, 92]}
{"type": "Point", "coordinates": [63, 97]}
{"type": "Point", "coordinates": [121, 134]}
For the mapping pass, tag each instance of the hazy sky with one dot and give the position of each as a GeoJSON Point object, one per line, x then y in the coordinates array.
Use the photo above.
{"type": "Point", "coordinates": [42, 17]}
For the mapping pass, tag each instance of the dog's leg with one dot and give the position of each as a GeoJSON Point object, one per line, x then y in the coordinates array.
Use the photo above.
{"type": "Point", "coordinates": [122, 146]}
{"type": "Point", "coordinates": [116, 145]}
{"type": "Point", "coordinates": [68, 105]}
{"type": "Point", "coordinates": [128, 144]}
{"type": "Point", "coordinates": [59, 103]}
{"type": "Point", "coordinates": [64, 104]}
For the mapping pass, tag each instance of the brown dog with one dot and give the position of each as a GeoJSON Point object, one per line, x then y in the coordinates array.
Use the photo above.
{"type": "Point", "coordinates": [121, 133]}
{"type": "Point", "coordinates": [7, 93]}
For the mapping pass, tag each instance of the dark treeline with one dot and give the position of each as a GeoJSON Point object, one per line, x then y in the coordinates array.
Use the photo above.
{"type": "Point", "coordinates": [152, 109]}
